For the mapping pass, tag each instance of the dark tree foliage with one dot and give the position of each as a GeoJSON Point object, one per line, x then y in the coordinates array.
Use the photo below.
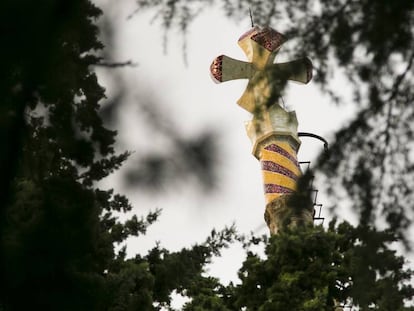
{"type": "Point", "coordinates": [310, 269]}
{"type": "Point", "coordinates": [57, 229]}
{"type": "Point", "coordinates": [147, 282]}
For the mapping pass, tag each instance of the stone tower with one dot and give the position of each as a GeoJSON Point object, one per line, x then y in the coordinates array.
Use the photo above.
{"type": "Point", "coordinates": [272, 130]}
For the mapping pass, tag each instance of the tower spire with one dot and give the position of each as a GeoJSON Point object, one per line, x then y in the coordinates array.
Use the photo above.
{"type": "Point", "coordinates": [272, 130]}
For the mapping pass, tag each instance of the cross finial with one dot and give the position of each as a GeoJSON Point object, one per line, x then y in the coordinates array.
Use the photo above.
{"type": "Point", "coordinates": [266, 79]}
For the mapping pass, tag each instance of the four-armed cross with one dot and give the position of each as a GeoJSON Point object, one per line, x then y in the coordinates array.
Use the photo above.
{"type": "Point", "coordinates": [273, 130]}
{"type": "Point", "coordinates": [266, 79]}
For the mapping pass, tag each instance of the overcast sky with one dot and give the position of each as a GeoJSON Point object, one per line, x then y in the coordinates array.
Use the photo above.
{"type": "Point", "coordinates": [188, 96]}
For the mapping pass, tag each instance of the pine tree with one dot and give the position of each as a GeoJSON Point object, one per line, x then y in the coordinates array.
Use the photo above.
{"type": "Point", "coordinates": [54, 246]}
{"type": "Point", "coordinates": [57, 230]}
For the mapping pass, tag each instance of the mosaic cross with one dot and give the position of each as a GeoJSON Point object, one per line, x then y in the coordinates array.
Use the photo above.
{"type": "Point", "coordinates": [265, 78]}
{"type": "Point", "coordinates": [273, 130]}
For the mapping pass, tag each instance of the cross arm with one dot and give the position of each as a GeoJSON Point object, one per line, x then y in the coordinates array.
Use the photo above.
{"type": "Point", "coordinates": [225, 68]}
{"type": "Point", "coordinates": [299, 70]}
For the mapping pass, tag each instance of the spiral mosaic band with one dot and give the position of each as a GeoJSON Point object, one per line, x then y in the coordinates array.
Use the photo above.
{"type": "Point", "coordinates": [280, 170]}
{"type": "Point", "coordinates": [276, 168]}
{"type": "Point", "coordinates": [278, 149]}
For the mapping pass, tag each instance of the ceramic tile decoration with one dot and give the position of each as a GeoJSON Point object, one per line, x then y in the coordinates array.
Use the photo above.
{"type": "Point", "coordinates": [272, 130]}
